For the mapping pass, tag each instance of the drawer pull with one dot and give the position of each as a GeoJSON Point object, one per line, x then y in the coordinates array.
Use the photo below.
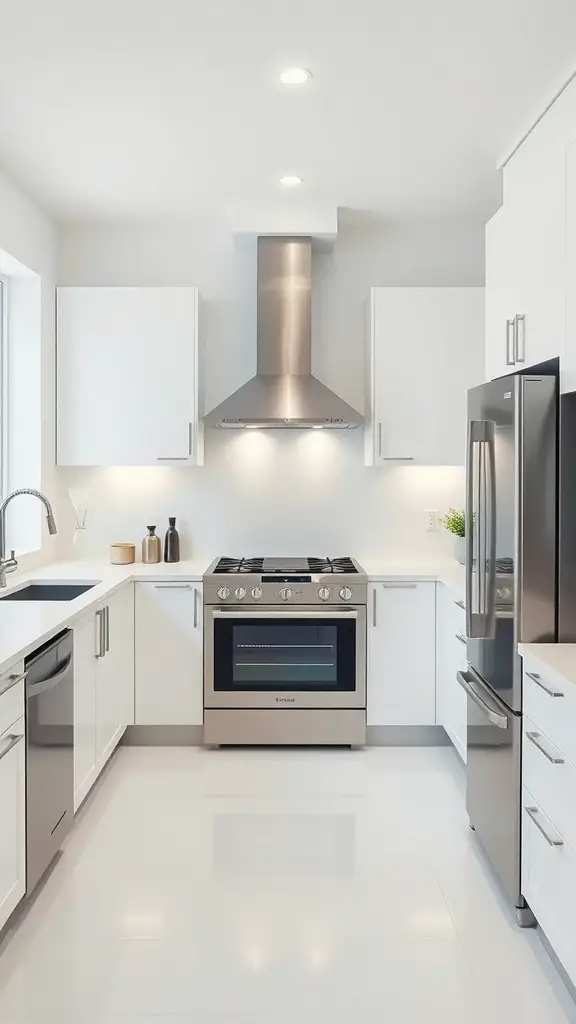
{"type": "Point", "coordinates": [532, 813]}
{"type": "Point", "coordinates": [12, 741]}
{"type": "Point", "coordinates": [534, 738]}
{"type": "Point", "coordinates": [461, 638]}
{"type": "Point", "coordinates": [460, 604]}
{"type": "Point", "coordinates": [12, 681]}
{"type": "Point", "coordinates": [536, 679]}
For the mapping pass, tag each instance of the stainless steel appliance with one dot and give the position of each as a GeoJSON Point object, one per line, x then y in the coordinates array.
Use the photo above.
{"type": "Point", "coordinates": [511, 529]}
{"type": "Point", "coordinates": [285, 651]}
{"type": "Point", "coordinates": [49, 753]}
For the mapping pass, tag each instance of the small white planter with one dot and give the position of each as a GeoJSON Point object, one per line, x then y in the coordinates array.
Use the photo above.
{"type": "Point", "coordinates": [460, 549]}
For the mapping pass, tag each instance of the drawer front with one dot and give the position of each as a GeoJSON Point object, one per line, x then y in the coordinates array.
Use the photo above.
{"type": "Point", "coordinates": [551, 778]}
{"type": "Point", "coordinates": [549, 881]}
{"type": "Point", "coordinates": [551, 706]}
{"type": "Point", "coordinates": [11, 696]}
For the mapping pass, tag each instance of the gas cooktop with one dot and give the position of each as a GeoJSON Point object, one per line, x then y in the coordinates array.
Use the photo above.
{"type": "Point", "coordinates": [283, 565]}
{"type": "Point", "coordinates": [275, 580]}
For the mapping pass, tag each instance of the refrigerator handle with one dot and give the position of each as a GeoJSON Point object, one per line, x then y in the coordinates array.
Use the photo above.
{"type": "Point", "coordinates": [478, 519]}
{"type": "Point", "coordinates": [490, 609]}
{"type": "Point", "coordinates": [469, 527]}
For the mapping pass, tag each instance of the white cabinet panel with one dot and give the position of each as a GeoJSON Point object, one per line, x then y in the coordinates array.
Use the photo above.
{"type": "Point", "coordinates": [85, 767]}
{"type": "Point", "coordinates": [169, 659]}
{"type": "Point", "coordinates": [426, 349]}
{"type": "Point", "coordinates": [401, 654]}
{"type": "Point", "coordinates": [501, 303]}
{"type": "Point", "coordinates": [115, 674]}
{"type": "Point", "coordinates": [13, 819]}
{"type": "Point", "coordinates": [451, 701]}
{"type": "Point", "coordinates": [127, 368]}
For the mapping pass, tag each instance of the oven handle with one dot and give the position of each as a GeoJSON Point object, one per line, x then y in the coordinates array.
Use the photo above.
{"type": "Point", "coordinates": [290, 613]}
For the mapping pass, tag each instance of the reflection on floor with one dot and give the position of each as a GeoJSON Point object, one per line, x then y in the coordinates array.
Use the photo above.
{"type": "Point", "coordinates": [275, 887]}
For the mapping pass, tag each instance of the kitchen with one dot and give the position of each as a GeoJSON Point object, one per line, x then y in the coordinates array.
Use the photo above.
{"type": "Point", "coordinates": [261, 903]}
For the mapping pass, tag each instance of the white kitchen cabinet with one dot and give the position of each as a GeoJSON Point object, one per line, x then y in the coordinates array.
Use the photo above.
{"type": "Point", "coordinates": [127, 377]}
{"type": "Point", "coordinates": [451, 701]}
{"type": "Point", "coordinates": [103, 686]}
{"type": "Point", "coordinates": [401, 653]}
{"type": "Point", "coordinates": [425, 350]}
{"type": "Point", "coordinates": [115, 674]}
{"type": "Point", "coordinates": [169, 654]}
{"type": "Point", "coordinates": [526, 271]}
{"type": "Point", "coordinates": [12, 818]}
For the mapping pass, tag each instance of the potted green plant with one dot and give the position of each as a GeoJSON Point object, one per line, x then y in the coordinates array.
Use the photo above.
{"type": "Point", "coordinates": [455, 522]}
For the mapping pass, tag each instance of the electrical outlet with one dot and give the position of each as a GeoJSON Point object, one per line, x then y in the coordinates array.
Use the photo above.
{"type": "Point", "coordinates": [432, 519]}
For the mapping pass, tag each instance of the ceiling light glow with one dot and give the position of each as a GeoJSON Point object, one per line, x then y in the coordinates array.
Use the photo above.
{"type": "Point", "coordinates": [295, 76]}
{"type": "Point", "coordinates": [290, 181]}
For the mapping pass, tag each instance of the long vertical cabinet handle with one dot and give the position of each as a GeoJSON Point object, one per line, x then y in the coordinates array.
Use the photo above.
{"type": "Point", "coordinates": [100, 651]}
{"type": "Point", "coordinates": [374, 607]}
{"type": "Point", "coordinates": [510, 342]}
{"type": "Point", "coordinates": [195, 607]}
{"type": "Point", "coordinates": [380, 440]}
{"type": "Point", "coordinates": [107, 626]}
{"type": "Point", "coordinates": [519, 332]}
{"type": "Point", "coordinates": [190, 439]}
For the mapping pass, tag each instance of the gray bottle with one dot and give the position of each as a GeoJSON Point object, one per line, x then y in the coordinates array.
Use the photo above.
{"type": "Point", "coordinates": [151, 547]}
{"type": "Point", "coordinates": [172, 542]}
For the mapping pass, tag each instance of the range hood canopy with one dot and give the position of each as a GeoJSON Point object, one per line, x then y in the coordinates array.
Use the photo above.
{"type": "Point", "coordinates": [284, 393]}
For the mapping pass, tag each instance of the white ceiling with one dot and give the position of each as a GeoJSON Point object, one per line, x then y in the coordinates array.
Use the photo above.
{"type": "Point", "coordinates": [141, 108]}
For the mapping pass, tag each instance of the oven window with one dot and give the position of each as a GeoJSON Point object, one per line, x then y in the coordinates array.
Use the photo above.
{"type": "Point", "coordinates": [319, 654]}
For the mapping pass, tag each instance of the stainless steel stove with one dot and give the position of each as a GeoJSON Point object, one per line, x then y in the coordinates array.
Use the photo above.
{"type": "Point", "coordinates": [285, 651]}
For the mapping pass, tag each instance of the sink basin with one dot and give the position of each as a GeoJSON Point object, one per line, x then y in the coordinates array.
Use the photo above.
{"type": "Point", "coordinates": [48, 592]}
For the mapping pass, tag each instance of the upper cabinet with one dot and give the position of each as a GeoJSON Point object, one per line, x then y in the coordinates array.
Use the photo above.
{"type": "Point", "coordinates": [127, 377]}
{"type": "Point", "coordinates": [525, 270]}
{"type": "Point", "coordinates": [425, 350]}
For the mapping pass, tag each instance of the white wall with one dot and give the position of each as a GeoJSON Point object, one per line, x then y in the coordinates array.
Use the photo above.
{"type": "Point", "coordinates": [287, 492]}
{"type": "Point", "coordinates": [28, 235]}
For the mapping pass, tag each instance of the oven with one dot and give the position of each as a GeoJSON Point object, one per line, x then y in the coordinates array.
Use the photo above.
{"type": "Point", "coordinates": [278, 657]}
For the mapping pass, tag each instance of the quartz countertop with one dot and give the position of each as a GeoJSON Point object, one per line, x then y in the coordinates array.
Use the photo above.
{"type": "Point", "coordinates": [447, 571]}
{"type": "Point", "coordinates": [556, 662]}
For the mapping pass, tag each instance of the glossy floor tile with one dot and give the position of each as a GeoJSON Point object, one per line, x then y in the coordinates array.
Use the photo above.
{"type": "Point", "coordinates": [275, 887]}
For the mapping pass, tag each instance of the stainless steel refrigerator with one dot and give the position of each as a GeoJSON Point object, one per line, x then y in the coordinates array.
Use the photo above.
{"type": "Point", "coordinates": [511, 594]}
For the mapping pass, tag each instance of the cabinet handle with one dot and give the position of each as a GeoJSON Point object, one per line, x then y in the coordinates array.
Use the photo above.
{"type": "Point", "coordinates": [461, 638]}
{"type": "Point", "coordinates": [107, 627]}
{"type": "Point", "coordinates": [180, 458]}
{"type": "Point", "coordinates": [374, 607]}
{"type": "Point", "coordinates": [398, 458]}
{"type": "Point", "coordinates": [520, 318]}
{"type": "Point", "coordinates": [12, 681]}
{"type": "Point", "coordinates": [534, 737]}
{"type": "Point", "coordinates": [379, 440]}
{"type": "Point", "coordinates": [195, 608]}
{"type": "Point", "coordinates": [460, 604]}
{"type": "Point", "coordinates": [172, 586]}
{"type": "Point", "coordinates": [190, 439]}
{"type": "Point", "coordinates": [536, 679]}
{"type": "Point", "coordinates": [400, 586]}
{"type": "Point", "coordinates": [532, 813]}
{"type": "Point", "coordinates": [100, 652]}
{"type": "Point", "coordinates": [12, 741]}
{"type": "Point", "coordinates": [510, 337]}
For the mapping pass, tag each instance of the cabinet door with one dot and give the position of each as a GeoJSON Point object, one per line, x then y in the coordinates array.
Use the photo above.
{"type": "Point", "coordinates": [169, 662]}
{"type": "Point", "coordinates": [501, 302]}
{"type": "Point", "coordinates": [402, 654]}
{"type": "Point", "coordinates": [13, 818]}
{"type": "Point", "coordinates": [426, 344]}
{"type": "Point", "coordinates": [120, 353]}
{"type": "Point", "coordinates": [85, 649]}
{"type": "Point", "coordinates": [115, 674]}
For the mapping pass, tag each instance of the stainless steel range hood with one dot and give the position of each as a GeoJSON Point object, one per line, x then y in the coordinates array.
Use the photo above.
{"type": "Point", "coordinates": [284, 393]}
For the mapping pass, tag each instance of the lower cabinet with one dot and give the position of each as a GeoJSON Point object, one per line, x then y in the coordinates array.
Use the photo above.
{"type": "Point", "coordinates": [13, 818]}
{"type": "Point", "coordinates": [401, 653]}
{"type": "Point", "coordinates": [169, 654]}
{"type": "Point", "coordinates": [451, 700]}
{"type": "Point", "coordinates": [103, 686]}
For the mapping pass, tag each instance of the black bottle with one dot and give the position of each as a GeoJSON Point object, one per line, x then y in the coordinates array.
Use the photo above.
{"type": "Point", "coordinates": [172, 542]}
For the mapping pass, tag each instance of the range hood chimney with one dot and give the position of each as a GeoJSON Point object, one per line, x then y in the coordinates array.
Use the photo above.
{"type": "Point", "coordinates": [284, 393]}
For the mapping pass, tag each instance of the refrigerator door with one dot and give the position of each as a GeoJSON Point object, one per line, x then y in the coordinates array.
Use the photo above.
{"type": "Point", "coordinates": [511, 500]}
{"type": "Point", "coordinates": [494, 738]}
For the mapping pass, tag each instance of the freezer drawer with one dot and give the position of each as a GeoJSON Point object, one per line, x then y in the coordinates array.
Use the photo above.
{"type": "Point", "coordinates": [494, 740]}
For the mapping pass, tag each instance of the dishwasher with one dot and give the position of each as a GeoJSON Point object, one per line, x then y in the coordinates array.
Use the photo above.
{"type": "Point", "coordinates": [49, 753]}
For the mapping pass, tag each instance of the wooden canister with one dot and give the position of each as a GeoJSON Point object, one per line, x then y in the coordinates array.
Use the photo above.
{"type": "Point", "coordinates": [122, 553]}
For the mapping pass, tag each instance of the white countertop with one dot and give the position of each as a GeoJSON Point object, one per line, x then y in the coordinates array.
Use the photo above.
{"type": "Point", "coordinates": [556, 662]}
{"type": "Point", "coordinates": [26, 625]}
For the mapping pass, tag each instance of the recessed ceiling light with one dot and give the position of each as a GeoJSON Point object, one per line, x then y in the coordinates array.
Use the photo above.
{"type": "Point", "coordinates": [295, 76]}
{"type": "Point", "coordinates": [290, 180]}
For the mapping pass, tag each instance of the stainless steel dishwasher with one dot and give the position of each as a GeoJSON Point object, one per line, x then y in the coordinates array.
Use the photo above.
{"type": "Point", "coordinates": [49, 753]}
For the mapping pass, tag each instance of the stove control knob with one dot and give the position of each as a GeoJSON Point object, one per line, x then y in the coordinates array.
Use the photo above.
{"type": "Point", "coordinates": [223, 593]}
{"type": "Point", "coordinates": [324, 593]}
{"type": "Point", "coordinates": [346, 593]}
{"type": "Point", "coordinates": [240, 593]}
{"type": "Point", "coordinates": [285, 593]}
{"type": "Point", "coordinates": [257, 593]}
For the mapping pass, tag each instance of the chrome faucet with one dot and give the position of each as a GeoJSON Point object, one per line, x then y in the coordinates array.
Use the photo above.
{"type": "Point", "coordinates": [11, 564]}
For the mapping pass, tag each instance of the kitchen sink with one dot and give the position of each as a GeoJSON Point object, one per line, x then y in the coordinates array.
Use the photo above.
{"type": "Point", "coordinates": [48, 591]}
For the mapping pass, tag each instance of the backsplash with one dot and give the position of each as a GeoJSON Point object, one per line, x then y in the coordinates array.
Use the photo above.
{"type": "Point", "coordinates": [273, 492]}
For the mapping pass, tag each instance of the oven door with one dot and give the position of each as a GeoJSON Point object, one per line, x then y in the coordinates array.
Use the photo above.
{"type": "Point", "coordinates": [285, 657]}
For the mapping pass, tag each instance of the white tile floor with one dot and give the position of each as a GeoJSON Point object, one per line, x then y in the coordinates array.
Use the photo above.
{"type": "Point", "coordinates": [275, 887]}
